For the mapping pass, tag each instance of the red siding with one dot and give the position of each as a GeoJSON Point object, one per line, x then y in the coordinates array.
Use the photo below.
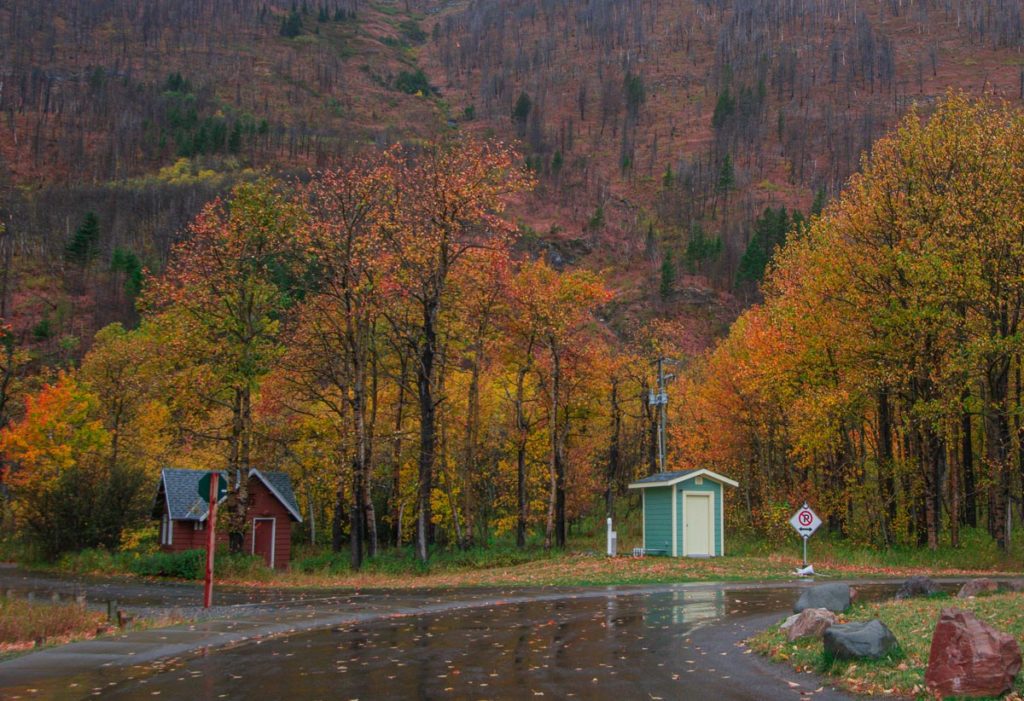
{"type": "Point", "coordinates": [262, 504]}
{"type": "Point", "coordinates": [186, 537]}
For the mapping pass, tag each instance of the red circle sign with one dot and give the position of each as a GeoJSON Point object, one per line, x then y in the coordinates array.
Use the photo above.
{"type": "Point", "coordinates": [805, 518]}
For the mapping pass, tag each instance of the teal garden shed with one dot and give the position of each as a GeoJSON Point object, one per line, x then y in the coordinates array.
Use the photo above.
{"type": "Point", "coordinates": [683, 513]}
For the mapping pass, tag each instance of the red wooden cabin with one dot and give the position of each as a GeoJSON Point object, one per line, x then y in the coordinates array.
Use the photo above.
{"type": "Point", "coordinates": [272, 510]}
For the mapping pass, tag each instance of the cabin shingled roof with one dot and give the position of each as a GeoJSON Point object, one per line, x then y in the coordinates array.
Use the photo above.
{"type": "Point", "coordinates": [181, 488]}
{"type": "Point", "coordinates": [280, 486]}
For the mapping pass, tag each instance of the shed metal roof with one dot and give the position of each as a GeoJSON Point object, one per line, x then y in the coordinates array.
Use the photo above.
{"type": "Point", "coordinates": [665, 479]}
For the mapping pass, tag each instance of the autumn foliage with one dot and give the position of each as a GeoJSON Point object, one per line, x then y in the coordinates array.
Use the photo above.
{"type": "Point", "coordinates": [379, 331]}
{"type": "Point", "coordinates": [881, 378]}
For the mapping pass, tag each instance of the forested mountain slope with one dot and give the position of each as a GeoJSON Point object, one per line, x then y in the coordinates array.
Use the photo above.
{"type": "Point", "coordinates": [141, 112]}
{"type": "Point", "coordinates": [660, 130]}
{"type": "Point", "coordinates": [694, 115]}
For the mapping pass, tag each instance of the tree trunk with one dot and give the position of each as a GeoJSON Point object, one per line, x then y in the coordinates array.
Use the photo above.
{"type": "Point", "coordinates": [469, 454]}
{"type": "Point", "coordinates": [998, 444]}
{"type": "Point", "coordinates": [369, 513]}
{"type": "Point", "coordinates": [886, 466]}
{"type": "Point", "coordinates": [341, 518]}
{"type": "Point", "coordinates": [967, 458]}
{"type": "Point", "coordinates": [238, 470]}
{"type": "Point", "coordinates": [934, 452]}
{"type": "Point", "coordinates": [954, 502]}
{"type": "Point", "coordinates": [396, 457]}
{"type": "Point", "coordinates": [556, 495]}
{"type": "Point", "coordinates": [358, 466]}
{"type": "Point", "coordinates": [428, 418]}
{"type": "Point", "coordinates": [522, 433]}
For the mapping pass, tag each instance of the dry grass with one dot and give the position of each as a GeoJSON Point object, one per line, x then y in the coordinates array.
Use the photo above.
{"type": "Point", "coordinates": [24, 624]}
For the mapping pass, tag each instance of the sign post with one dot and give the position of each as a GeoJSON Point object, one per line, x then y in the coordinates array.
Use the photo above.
{"type": "Point", "coordinates": [805, 522]}
{"type": "Point", "coordinates": [210, 488]}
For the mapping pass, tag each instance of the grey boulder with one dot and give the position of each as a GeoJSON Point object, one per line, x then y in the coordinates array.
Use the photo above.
{"type": "Point", "coordinates": [977, 587]}
{"type": "Point", "coordinates": [834, 597]}
{"type": "Point", "coordinates": [917, 586]}
{"type": "Point", "coordinates": [851, 641]}
{"type": "Point", "coordinates": [810, 622]}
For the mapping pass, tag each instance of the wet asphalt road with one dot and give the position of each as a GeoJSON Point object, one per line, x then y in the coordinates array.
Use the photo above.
{"type": "Point", "coordinates": [682, 642]}
{"type": "Point", "coordinates": [672, 645]}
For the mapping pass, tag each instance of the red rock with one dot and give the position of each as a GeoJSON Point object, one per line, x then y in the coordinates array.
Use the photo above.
{"type": "Point", "coordinates": [974, 587]}
{"type": "Point", "coordinates": [970, 658]}
{"type": "Point", "coordinates": [810, 622]}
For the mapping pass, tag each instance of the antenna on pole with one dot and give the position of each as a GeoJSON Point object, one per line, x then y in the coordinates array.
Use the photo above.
{"type": "Point", "coordinates": [660, 400]}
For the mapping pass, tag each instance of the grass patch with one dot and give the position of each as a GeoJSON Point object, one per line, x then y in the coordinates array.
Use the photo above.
{"type": "Point", "coordinates": [403, 561]}
{"type": "Point", "coordinates": [22, 623]}
{"type": "Point", "coordinates": [977, 552]}
{"type": "Point", "coordinates": [912, 622]}
{"type": "Point", "coordinates": [189, 565]}
{"type": "Point", "coordinates": [500, 563]}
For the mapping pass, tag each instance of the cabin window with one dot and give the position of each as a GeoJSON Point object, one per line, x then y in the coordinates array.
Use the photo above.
{"type": "Point", "coordinates": [698, 480]}
{"type": "Point", "coordinates": [198, 525]}
{"type": "Point", "coordinates": [166, 530]}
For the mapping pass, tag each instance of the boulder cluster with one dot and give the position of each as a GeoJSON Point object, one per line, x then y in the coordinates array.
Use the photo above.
{"type": "Point", "coordinates": [968, 657]}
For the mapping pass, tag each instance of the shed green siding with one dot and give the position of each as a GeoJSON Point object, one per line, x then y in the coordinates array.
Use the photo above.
{"type": "Point", "coordinates": [716, 509]}
{"type": "Point", "coordinates": [658, 520]}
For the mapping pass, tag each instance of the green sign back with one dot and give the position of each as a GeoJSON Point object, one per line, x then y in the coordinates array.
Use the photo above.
{"type": "Point", "coordinates": [204, 487]}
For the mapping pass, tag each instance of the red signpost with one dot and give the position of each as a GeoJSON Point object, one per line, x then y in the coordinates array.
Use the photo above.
{"type": "Point", "coordinates": [211, 522]}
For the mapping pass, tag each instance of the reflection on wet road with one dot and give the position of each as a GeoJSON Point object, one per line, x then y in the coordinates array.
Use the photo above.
{"type": "Point", "coordinates": [595, 647]}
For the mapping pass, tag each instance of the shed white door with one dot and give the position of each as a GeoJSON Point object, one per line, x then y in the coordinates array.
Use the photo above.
{"type": "Point", "coordinates": [697, 524]}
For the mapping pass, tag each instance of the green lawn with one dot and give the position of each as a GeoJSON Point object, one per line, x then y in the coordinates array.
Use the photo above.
{"type": "Point", "coordinates": [581, 563]}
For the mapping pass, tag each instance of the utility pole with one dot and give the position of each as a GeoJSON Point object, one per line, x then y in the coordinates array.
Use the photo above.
{"type": "Point", "coordinates": [660, 400]}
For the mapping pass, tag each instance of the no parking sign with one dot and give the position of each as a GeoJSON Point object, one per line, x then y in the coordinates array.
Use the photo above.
{"type": "Point", "coordinates": [805, 522]}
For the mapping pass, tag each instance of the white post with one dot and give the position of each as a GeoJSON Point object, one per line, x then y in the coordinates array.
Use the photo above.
{"type": "Point", "coordinates": [609, 539]}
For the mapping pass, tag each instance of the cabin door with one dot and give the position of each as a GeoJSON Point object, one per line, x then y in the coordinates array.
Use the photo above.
{"type": "Point", "coordinates": [697, 525]}
{"type": "Point", "coordinates": [263, 539]}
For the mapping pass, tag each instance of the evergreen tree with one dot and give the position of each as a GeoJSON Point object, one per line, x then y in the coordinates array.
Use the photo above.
{"type": "Point", "coordinates": [291, 25]}
{"type": "Point", "coordinates": [724, 109]}
{"type": "Point", "coordinates": [650, 241]}
{"type": "Point", "coordinates": [123, 260]}
{"type": "Point", "coordinates": [596, 222]}
{"type": "Point", "coordinates": [770, 231]}
{"type": "Point", "coordinates": [726, 176]}
{"type": "Point", "coordinates": [522, 108]}
{"type": "Point", "coordinates": [701, 247]}
{"type": "Point", "coordinates": [668, 275]}
{"type": "Point", "coordinates": [556, 163]}
{"type": "Point", "coordinates": [235, 140]}
{"type": "Point", "coordinates": [636, 94]}
{"type": "Point", "coordinates": [413, 82]}
{"type": "Point", "coordinates": [820, 199]}
{"type": "Point", "coordinates": [83, 246]}
{"type": "Point", "coordinates": [668, 178]}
